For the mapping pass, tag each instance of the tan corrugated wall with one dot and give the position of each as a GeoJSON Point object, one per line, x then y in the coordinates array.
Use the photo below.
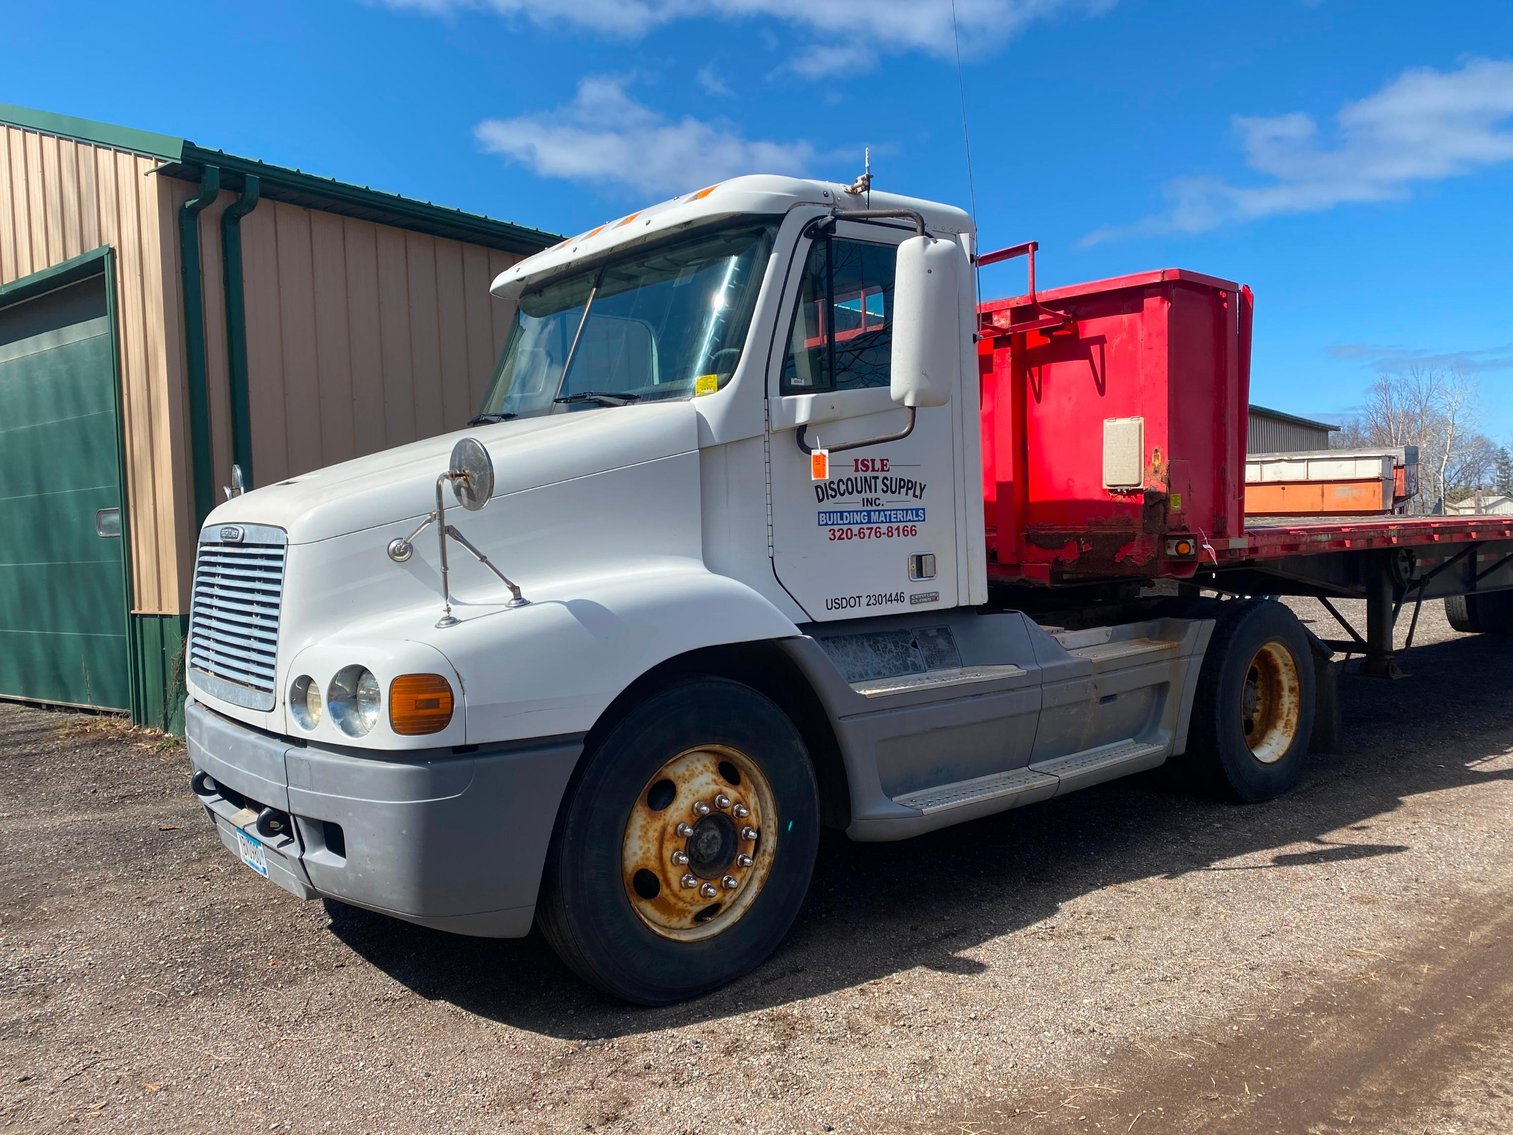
{"type": "Point", "coordinates": [59, 199]}
{"type": "Point", "coordinates": [359, 336]}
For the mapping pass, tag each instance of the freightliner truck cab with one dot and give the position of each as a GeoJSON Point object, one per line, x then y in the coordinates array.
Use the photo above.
{"type": "Point", "coordinates": [706, 572]}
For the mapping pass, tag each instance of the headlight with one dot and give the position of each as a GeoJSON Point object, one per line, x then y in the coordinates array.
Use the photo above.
{"type": "Point", "coordinates": [304, 702]}
{"type": "Point", "coordinates": [354, 698]}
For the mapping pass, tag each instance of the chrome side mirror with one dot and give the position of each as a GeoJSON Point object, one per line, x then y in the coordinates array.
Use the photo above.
{"type": "Point", "coordinates": [237, 486]}
{"type": "Point", "coordinates": [470, 471]}
{"type": "Point", "coordinates": [471, 474]}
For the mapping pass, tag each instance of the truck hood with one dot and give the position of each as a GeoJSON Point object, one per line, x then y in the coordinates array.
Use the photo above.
{"type": "Point", "coordinates": [400, 483]}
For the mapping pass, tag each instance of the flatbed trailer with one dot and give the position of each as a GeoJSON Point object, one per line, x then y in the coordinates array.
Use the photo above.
{"type": "Point", "coordinates": [1128, 371]}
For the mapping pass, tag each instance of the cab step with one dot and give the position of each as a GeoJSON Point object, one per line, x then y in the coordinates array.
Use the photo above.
{"type": "Point", "coordinates": [1081, 770]}
{"type": "Point", "coordinates": [1019, 786]}
{"type": "Point", "coordinates": [1038, 781]}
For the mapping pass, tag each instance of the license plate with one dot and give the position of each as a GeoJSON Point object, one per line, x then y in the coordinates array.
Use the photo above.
{"type": "Point", "coordinates": [254, 855]}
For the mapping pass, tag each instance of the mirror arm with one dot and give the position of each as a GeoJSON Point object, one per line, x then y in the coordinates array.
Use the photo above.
{"type": "Point", "coordinates": [442, 528]}
{"type": "Point", "coordinates": [802, 438]}
{"type": "Point", "coordinates": [519, 600]}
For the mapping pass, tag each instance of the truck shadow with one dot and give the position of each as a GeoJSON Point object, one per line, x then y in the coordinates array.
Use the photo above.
{"type": "Point", "coordinates": [880, 909]}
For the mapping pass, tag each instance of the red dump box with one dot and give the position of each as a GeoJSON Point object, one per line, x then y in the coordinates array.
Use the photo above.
{"type": "Point", "coordinates": [1113, 426]}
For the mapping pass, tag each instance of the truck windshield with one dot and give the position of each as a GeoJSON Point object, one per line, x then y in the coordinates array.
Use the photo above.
{"type": "Point", "coordinates": [663, 322]}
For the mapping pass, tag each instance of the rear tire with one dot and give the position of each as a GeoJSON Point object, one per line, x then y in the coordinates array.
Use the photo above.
{"type": "Point", "coordinates": [1256, 699]}
{"type": "Point", "coordinates": [654, 890]}
{"type": "Point", "coordinates": [1490, 612]}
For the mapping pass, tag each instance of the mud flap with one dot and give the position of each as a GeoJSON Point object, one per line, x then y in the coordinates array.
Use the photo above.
{"type": "Point", "coordinates": [1327, 723]}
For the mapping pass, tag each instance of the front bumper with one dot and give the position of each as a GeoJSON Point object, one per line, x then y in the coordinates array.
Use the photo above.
{"type": "Point", "coordinates": [454, 841]}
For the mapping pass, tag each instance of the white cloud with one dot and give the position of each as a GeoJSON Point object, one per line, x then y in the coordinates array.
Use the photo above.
{"type": "Point", "coordinates": [605, 136]}
{"type": "Point", "coordinates": [611, 17]}
{"type": "Point", "coordinates": [1380, 359]}
{"type": "Point", "coordinates": [1425, 125]}
{"type": "Point", "coordinates": [713, 83]}
{"type": "Point", "coordinates": [845, 37]}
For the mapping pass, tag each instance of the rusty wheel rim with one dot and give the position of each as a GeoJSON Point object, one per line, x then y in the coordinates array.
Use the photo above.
{"type": "Point", "coordinates": [699, 843]}
{"type": "Point", "coordinates": [1271, 703]}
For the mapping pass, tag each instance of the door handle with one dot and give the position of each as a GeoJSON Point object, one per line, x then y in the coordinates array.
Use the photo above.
{"type": "Point", "coordinates": [802, 438]}
{"type": "Point", "coordinates": [108, 523]}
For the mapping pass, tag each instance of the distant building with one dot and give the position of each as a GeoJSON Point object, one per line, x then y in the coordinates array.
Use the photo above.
{"type": "Point", "coordinates": [1482, 504]}
{"type": "Point", "coordinates": [1271, 431]}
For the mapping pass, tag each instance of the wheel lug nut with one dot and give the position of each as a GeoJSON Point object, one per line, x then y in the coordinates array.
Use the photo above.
{"type": "Point", "coordinates": [708, 891]}
{"type": "Point", "coordinates": [689, 881]}
{"type": "Point", "coordinates": [729, 883]}
{"type": "Point", "coordinates": [740, 811]}
{"type": "Point", "coordinates": [722, 801]}
{"type": "Point", "coordinates": [680, 857]}
{"type": "Point", "coordinates": [749, 832]}
{"type": "Point", "coordinates": [684, 830]}
{"type": "Point", "coordinates": [743, 860]}
{"type": "Point", "coordinates": [700, 808]}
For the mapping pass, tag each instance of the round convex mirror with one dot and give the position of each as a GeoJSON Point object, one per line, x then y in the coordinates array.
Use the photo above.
{"type": "Point", "coordinates": [472, 474]}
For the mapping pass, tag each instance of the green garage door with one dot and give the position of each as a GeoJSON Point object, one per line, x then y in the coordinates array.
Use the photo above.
{"type": "Point", "coordinates": [62, 588]}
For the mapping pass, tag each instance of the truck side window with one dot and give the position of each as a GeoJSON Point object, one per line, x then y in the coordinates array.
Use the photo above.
{"type": "Point", "coordinates": [842, 334]}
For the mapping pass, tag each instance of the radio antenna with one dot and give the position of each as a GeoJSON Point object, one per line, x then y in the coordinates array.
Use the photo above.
{"type": "Point", "coordinates": [966, 136]}
{"type": "Point", "coordinates": [863, 184]}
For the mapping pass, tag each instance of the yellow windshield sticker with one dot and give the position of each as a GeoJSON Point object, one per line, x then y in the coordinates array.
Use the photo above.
{"type": "Point", "coordinates": [705, 384]}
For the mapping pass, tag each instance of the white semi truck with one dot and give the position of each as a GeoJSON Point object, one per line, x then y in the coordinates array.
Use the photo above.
{"type": "Point", "coordinates": [720, 561]}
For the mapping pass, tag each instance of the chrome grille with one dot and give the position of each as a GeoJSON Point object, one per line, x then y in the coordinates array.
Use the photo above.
{"type": "Point", "coordinates": [234, 615]}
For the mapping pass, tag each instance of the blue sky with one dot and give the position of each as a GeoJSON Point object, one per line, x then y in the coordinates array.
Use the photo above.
{"type": "Point", "coordinates": [1353, 162]}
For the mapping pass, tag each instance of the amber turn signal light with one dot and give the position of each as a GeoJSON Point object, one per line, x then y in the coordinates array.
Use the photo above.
{"type": "Point", "coordinates": [419, 704]}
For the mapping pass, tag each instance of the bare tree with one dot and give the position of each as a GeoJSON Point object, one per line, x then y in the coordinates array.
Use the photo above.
{"type": "Point", "coordinates": [1440, 412]}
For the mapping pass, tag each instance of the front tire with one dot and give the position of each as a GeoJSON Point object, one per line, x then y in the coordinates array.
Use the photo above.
{"type": "Point", "coordinates": [686, 846]}
{"type": "Point", "coordinates": [1256, 699]}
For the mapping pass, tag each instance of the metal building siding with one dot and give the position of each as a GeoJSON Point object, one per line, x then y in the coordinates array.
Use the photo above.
{"type": "Point", "coordinates": [60, 198]}
{"type": "Point", "coordinates": [359, 336]}
{"type": "Point", "coordinates": [1266, 434]}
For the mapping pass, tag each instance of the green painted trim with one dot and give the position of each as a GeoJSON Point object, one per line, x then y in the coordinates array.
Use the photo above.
{"type": "Point", "coordinates": [279, 183]}
{"type": "Point", "coordinates": [234, 291]}
{"type": "Point", "coordinates": [97, 133]}
{"type": "Point", "coordinates": [194, 342]}
{"type": "Point", "coordinates": [133, 665]}
{"type": "Point", "coordinates": [58, 276]}
{"type": "Point", "coordinates": [157, 650]}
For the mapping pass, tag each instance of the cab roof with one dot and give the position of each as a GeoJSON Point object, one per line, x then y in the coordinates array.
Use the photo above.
{"type": "Point", "coordinates": [754, 195]}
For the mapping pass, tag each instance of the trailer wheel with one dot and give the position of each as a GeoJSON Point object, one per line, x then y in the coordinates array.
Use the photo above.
{"type": "Point", "coordinates": [1485, 613]}
{"type": "Point", "coordinates": [685, 848]}
{"type": "Point", "coordinates": [1255, 706]}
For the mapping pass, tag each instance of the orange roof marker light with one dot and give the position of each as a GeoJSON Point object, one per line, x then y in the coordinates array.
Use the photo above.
{"type": "Point", "coordinates": [419, 704]}
{"type": "Point", "coordinates": [625, 220]}
{"type": "Point", "coordinates": [705, 192]}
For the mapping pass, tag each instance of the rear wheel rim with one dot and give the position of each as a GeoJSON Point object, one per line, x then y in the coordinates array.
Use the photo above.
{"type": "Point", "coordinates": [1271, 703]}
{"type": "Point", "coordinates": [699, 843]}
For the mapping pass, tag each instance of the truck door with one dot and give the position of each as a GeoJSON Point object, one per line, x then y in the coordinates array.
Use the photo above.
{"type": "Point", "coordinates": [869, 530]}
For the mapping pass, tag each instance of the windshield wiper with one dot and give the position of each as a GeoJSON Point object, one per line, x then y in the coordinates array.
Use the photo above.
{"type": "Point", "coordinates": [602, 397]}
{"type": "Point", "coordinates": [489, 419]}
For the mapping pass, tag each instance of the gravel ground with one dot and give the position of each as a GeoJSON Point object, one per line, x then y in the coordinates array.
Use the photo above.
{"type": "Point", "coordinates": [1130, 958]}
